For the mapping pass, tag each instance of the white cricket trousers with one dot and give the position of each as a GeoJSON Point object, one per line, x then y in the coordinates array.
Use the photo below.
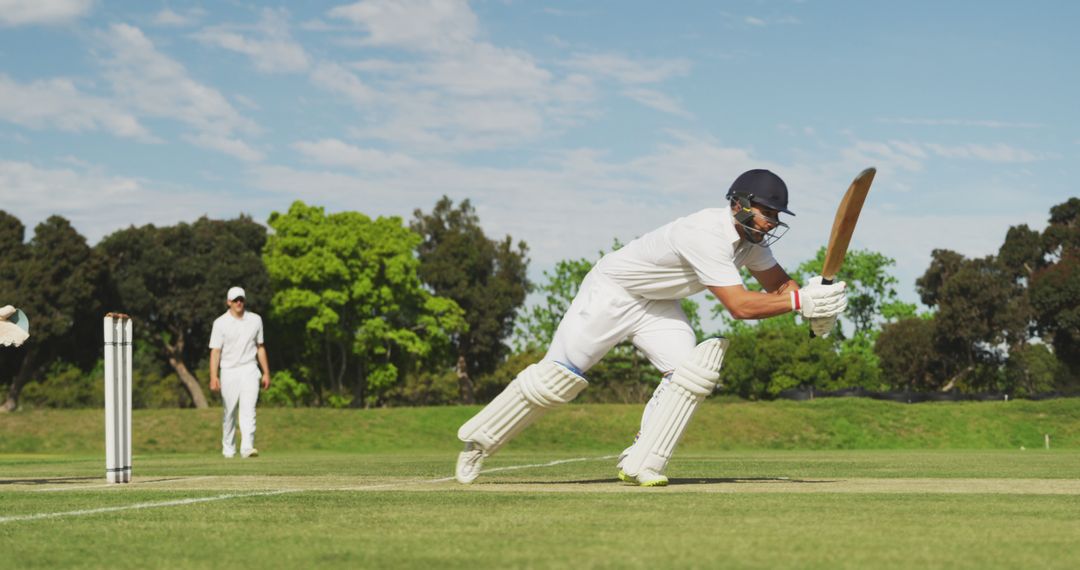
{"type": "Point", "coordinates": [603, 314]}
{"type": "Point", "coordinates": [239, 393]}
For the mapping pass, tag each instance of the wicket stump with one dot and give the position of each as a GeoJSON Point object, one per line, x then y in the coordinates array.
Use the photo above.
{"type": "Point", "coordinates": [118, 398]}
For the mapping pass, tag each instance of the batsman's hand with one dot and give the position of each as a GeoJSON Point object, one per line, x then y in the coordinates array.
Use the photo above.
{"type": "Point", "coordinates": [265, 381]}
{"type": "Point", "coordinates": [818, 300]}
{"type": "Point", "coordinates": [215, 385]}
{"type": "Point", "coordinates": [822, 326]}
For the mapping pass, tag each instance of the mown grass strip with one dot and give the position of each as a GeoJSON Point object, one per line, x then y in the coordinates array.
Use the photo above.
{"type": "Point", "coordinates": [719, 425]}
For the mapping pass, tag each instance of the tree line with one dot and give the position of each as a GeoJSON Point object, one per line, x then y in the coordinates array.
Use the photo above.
{"type": "Point", "coordinates": [364, 311]}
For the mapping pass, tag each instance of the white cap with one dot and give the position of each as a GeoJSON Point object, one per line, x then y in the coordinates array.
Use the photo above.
{"type": "Point", "coordinates": [233, 293]}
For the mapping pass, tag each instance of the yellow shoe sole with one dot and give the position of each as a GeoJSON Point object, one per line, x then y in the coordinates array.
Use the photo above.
{"type": "Point", "coordinates": [661, 482]}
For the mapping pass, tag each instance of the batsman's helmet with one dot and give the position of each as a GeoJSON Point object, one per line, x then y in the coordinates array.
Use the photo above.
{"type": "Point", "coordinates": [761, 187]}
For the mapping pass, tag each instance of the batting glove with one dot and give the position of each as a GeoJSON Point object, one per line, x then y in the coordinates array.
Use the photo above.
{"type": "Point", "coordinates": [822, 326]}
{"type": "Point", "coordinates": [817, 300]}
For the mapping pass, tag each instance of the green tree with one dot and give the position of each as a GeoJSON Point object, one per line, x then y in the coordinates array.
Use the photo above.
{"type": "Point", "coordinates": [1055, 285]}
{"type": "Point", "coordinates": [486, 278]}
{"type": "Point", "coordinates": [980, 310]}
{"type": "Point", "coordinates": [172, 281]}
{"type": "Point", "coordinates": [1032, 369]}
{"type": "Point", "coordinates": [871, 289]}
{"type": "Point", "coordinates": [775, 354]}
{"type": "Point", "coordinates": [59, 282]}
{"type": "Point", "coordinates": [536, 326]}
{"type": "Point", "coordinates": [907, 355]}
{"type": "Point", "coordinates": [347, 289]}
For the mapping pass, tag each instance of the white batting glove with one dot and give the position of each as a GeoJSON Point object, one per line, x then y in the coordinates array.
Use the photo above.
{"type": "Point", "coordinates": [822, 326]}
{"type": "Point", "coordinates": [6, 311]}
{"type": "Point", "coordinates": [817, 300]}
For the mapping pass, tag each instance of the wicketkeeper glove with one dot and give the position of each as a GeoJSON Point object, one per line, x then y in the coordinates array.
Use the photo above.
{"type": "Point", "coordinates": [818, 300]}
{"type": "Point", "coordinates": [10, 334]}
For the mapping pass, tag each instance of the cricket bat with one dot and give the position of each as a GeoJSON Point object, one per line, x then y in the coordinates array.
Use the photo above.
{"type": "Point", "coordinates": [847, 215]}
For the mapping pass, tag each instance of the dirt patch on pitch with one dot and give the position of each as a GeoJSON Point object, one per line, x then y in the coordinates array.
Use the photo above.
{"type": "Point", "coordinates": [750, 485]}
{"type": "Point", "coordinates": [233, 483]}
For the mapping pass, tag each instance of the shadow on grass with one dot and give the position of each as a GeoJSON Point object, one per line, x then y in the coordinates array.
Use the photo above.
{"type": "Point", "coordinates": [46, 481]}
{"type": "Point", "coordinates": [736, 480]}
{"type": "Point", "coordinates": [671, 482]}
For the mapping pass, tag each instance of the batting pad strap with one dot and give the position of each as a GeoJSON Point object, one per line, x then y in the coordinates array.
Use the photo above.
{"type": "Point", "coordinates": [539, 388]}
{"type": "Point", "coordinates": [691, 383]}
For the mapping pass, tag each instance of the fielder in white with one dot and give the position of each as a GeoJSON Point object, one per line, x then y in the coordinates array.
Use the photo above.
{"type": "Point", "coordinates": [633, 293]}
{"type": "Point", "coordinates": [236, 343]}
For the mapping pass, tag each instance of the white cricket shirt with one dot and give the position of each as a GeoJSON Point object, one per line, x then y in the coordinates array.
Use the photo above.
{"type": "Point", "coordinates": [238, 339]}
{"type": "Point", "coordinates": [682, 258]}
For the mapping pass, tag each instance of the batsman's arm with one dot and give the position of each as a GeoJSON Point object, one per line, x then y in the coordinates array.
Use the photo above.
{"type": "Point", "coordinates": [743, 304]}
{"type": "Point", "coordinates": [775, 280]}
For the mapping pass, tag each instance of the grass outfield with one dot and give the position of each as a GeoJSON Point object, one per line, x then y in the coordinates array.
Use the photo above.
{"type": "Point", "coordinates": [551, 499]}
{"type": "Point", "coordinates": [835, 423]}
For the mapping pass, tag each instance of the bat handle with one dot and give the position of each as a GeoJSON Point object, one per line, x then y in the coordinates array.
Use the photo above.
{"type": "Point", "coordinates": [824, 281]}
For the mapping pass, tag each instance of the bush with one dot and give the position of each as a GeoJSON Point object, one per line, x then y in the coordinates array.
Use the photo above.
{"type": "Point", "coordinates": [66, 386]}
{"type": "Point", "coordinates": [426, 388]}
{"type": "Point", "coordinates": [286, 392]}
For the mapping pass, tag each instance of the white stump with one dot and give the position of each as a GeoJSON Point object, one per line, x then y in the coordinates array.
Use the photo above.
{"type": "Point", "coordinates": [117, 398]}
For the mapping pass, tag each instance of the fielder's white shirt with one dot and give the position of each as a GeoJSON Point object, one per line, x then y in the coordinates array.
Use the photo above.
{"type": "Point", "coordinates": [682, 258]}
{"type": "Point", "coordinates": [238, 339]}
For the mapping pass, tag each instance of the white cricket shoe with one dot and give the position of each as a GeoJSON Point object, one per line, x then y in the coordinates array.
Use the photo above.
{"type": "Point", "coordinates": [469, 463]}
{"type": "Point", "coordinates": [647, 478]}
{"type": "Point", "coordinates": [249, 453]}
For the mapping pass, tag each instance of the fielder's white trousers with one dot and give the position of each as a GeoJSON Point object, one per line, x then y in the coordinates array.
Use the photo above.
{"type": "Point", "coordinates": [239, 393]}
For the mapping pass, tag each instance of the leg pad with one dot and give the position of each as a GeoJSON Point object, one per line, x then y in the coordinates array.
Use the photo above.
{"type": "Point", "coordinates": [691, 383]}
{"type": "Point", "coordinates": [539, 388]}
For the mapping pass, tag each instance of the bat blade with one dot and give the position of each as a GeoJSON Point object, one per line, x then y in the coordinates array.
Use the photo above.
{"type": "Point", "coordinates": [847, 215]}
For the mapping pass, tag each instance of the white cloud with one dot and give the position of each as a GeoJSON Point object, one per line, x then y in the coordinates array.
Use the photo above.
{"type": "Point", "coordinates": [657, 100]}
{"type": "Point", "coordinates": [884, 155]}
{"type": "Point", "coordinates": [170, 18]}
{"type": "Point", "coordinates": [153, 84]}
{"type": "Point", "coordinates": [484, 70]}
{"type": "Point", "coordinates": [273, 50]}
{"type": "Point", "coordinates": [95, 201]}
{"type": "Point", "coordinates": [42, 12]}
{"type": "Point", "coordinates": [58, 103]}
{"type": "Point", "coordinates": [427, 25]}
{"type": "Point", "coordinates": [337, 79]}
{"type": "Point", "coordinates": [544, 203]}
{"type": "Point", "coordinates": [333, 152]}
{"type": "Point", "coordinates": [231, 146]}
{"type": "Point", "coordinates": [985, 123]}
{"type": "Point", "coordinates": [453, 92]}
{"type": "Point", "coordinates": [991, 153]}
{"type": "Point", "coordinates": [627, 70]}
{"type": "Point", "coordinates": [754, 21]}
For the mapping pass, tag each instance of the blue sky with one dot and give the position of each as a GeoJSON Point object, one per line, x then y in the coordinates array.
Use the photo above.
{"type": "Point", "coordinates": [567, 124]}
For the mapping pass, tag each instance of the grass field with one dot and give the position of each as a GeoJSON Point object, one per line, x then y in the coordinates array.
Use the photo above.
{"type": "Point", "coordinates": [553, 500]}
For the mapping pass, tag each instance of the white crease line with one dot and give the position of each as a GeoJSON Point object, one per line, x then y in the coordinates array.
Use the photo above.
{"type": "Point", "coordinates": [137, 506]}
{"type": "Point", "coordinates": [119, 486]}
{"type": "Point", "coordinates": [181, 502]}
{"type": "Point", "coordinates": [492, 470]}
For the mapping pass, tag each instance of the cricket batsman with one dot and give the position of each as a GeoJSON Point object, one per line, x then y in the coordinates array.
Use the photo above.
{"type": "Point", "coordinates": [633, 293]}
